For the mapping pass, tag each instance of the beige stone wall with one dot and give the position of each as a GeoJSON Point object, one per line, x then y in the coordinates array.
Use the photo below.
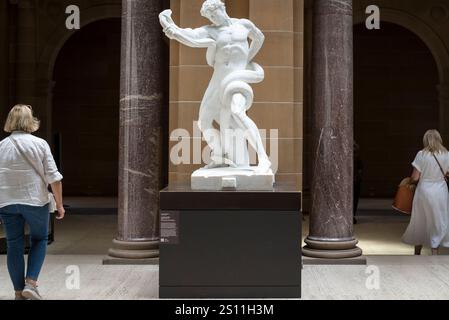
{"type": "Point", "coordinates": [278, 99]}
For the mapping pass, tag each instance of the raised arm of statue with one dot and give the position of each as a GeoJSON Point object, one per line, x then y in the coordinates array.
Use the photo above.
{"type": "Point", "coordinates": [256, 36]}
{"type": "Point", "coordinates": [196, 38]}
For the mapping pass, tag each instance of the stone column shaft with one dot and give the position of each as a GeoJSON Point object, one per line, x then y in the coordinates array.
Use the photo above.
{"type": "Point", "coordinates": [331, 217]}
{"type": "Point", "coordinates": [141, 102]}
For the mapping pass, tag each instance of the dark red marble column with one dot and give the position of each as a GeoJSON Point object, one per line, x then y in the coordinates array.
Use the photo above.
{"type": "Point", "coordinates": [331, 218]}
{"type": "Point", "coordinates": [141, 133]}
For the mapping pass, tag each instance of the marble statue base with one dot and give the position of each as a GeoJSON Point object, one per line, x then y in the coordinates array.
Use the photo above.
{"type": "Point", "coordinates": [239, 179]}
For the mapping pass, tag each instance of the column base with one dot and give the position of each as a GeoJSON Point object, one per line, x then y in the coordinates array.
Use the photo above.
{"type": "Point", "coordinates": [331, 250]}
{"type": "Point", "coordinates": [133, 252]}
{"type": "Point", "coordinates": [357, 261]}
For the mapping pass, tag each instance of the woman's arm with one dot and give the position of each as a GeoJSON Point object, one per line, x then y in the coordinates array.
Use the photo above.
{"type": "Point", "coordinates": [56, 188]}
{"type": "Point", "coordinates": [53, 178]}
{"type": "Point", "coordinates": [416, 175]}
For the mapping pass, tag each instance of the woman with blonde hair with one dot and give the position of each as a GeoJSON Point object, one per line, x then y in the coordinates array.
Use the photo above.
{"type": "Point", "coordinates": [429, 224]}
{"type": "Point", "coordinates": [27, 168]}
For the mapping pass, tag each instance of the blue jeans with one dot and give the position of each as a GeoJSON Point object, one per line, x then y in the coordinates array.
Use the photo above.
{"type": "Point", "coordinates": [14, 218]}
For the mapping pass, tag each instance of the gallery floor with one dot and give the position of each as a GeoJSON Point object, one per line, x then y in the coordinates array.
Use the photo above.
{"type": "Point", "coordinates": [83, 238]}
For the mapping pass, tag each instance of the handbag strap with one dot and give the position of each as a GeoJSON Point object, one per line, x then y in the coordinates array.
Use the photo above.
{"type": "Point", "coordinates": [23, 154]}
{"type": "Point", "coordinates": [441, 168]}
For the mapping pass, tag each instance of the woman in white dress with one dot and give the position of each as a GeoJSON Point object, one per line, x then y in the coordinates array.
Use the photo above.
{"type": "Point", "coordinates": [429, 225]}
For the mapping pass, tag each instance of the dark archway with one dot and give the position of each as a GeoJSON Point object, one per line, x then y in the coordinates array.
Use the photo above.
{"type": "Point", "coordinates": [395, 102]}
{"type": "Point", "coordinates": [85, 109]}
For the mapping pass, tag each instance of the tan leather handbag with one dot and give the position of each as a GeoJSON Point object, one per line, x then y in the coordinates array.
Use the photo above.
{"type": "Point", "coordinates": [403, 201]}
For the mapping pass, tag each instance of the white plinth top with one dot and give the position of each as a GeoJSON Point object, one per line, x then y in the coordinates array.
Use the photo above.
{"type": "Point", "coordinates": [243, 179]}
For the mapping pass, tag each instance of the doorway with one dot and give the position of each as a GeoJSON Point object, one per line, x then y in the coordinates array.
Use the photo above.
{"type": "Point", "coordinates": [395, 103]}
{"type": "Point", "coordinates": [85, 110]}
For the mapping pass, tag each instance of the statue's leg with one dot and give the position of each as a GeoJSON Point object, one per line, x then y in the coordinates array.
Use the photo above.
{"type": "Point", "coordinates": [226, 132]}
{"type": "Point", "coordinates": [213, 139]}
{"type": "Point", "coordinates": [235, 146]}
{"type": "Point", "coordinates": [251, 131]}
{"type": "Point", "coordinates": [241, 157]}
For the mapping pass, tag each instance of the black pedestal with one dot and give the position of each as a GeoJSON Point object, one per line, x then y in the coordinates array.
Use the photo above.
{"type": "Point", "coordinates": [230, 244]}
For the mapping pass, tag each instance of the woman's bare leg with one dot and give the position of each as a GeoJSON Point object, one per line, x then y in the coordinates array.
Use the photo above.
{"type": "Point", "coordinates": [434, 252]}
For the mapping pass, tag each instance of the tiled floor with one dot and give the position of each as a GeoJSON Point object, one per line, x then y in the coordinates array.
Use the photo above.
{"type": "Point", "coordinates": [83, 239]}
{"type": "Point", "coordinates": [387, 277]}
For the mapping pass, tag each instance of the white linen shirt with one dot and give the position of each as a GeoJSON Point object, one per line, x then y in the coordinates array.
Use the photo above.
{"type": "Point", "coordinates": [19, 181]}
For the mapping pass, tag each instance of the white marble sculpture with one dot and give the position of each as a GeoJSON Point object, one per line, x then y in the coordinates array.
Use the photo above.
{"type": "Point", "coordinates": [227, 99]}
